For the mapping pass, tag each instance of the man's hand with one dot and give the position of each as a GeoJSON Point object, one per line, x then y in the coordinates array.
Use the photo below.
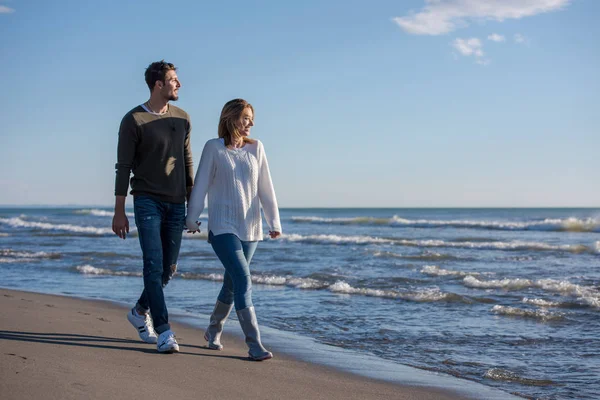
{"type": "Point", "coordinates": [120, 225]}
{"type": "Point", "coordinates": [274, 234]}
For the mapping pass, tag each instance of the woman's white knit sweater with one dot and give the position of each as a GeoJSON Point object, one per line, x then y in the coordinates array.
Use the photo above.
{"type": "Point", "coordinates": [238, 182]}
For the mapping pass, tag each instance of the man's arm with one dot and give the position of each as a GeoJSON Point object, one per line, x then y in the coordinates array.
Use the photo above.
{"type": "Point", "coordinates": [125, 155]}
{"type": "Point", "coordinates": [120, 224]}
{"type": "Point", "coordinates": [189, 162]}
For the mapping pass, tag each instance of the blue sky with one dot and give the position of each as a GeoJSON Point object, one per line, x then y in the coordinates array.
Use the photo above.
{"type": "Point", "coordinates": [458, 103]}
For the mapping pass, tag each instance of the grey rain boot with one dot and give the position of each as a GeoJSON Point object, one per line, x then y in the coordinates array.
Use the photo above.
{"type": "Point", "coordinates": [247, 318]}
{"type": "Point", "coordinates": [215, 327]}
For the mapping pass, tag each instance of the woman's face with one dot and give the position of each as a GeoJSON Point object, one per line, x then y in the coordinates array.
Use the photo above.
{"type": "Point", "coordinates": [246, 122]}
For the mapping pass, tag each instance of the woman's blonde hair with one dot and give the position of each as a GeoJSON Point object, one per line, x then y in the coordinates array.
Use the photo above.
{"type": "Point", "coordinates": [231, 113]}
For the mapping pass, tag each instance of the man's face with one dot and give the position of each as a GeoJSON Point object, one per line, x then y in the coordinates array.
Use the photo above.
{"type": "Point", "coordinates": [170, 89]}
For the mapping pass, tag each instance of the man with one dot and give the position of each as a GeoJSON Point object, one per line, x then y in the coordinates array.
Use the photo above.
{"type": "Point", "coordinates": [154, 144]}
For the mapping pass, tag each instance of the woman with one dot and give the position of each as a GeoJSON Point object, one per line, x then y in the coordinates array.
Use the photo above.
{"type": "Point", "coordinates": [234, 172]}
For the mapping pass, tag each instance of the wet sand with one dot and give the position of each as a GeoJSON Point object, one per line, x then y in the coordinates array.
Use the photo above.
{"type": "Point", "coordinates": [55, 347]}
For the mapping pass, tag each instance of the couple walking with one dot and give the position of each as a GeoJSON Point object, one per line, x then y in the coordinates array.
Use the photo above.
{"type": "Point", "coordinates": [154, 145]}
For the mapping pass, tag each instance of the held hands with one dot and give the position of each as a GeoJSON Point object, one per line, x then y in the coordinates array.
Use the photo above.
{"type": "Point", "coordinates": [274, 234]}
{"type": "Point", "coordinates": [120, 225]}
{"type": "Point", "coordinates": [191, 229]}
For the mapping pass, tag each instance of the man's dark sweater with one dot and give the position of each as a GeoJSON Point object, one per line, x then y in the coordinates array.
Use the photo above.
{"type": "Point", "coordinates": [156, 148]}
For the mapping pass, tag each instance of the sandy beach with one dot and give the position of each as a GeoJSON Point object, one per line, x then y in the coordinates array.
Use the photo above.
{"type": "Point", "coordinates": [62, 347]}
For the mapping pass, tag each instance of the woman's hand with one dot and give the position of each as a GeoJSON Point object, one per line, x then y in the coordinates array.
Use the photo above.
{"type": "Point", "coordinates": [191, 228]}
{"type": "Point", "coordinates": [274, 234]}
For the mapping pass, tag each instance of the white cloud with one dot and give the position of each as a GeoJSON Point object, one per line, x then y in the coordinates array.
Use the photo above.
{"type": "Point", "coordinates": [471, 47]}
{"type": "Point", "coordinates": [494, 37]}
{"type": "Point", "coordinates": [443, 16]}
{"type": "Point", "coordinates": [520, 39]}
{"type": "Point", "coordinates": [468, 47]}
{"type": "Point", "coordinates": [6, 10]}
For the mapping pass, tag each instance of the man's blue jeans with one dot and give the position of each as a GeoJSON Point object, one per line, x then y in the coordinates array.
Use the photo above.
{"type": "Point", "coordinates": [235, 254]}
{"type": "Point", "coordinates": [160, 228]}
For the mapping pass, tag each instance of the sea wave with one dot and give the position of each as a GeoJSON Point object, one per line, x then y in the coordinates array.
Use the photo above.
{"type": "Point", "coordinates": [422, 295]}
{"type": "Point", "coordinates": [98, 213]}
{"type": "Point", "coordinates": [28, 254]}
{"type": "Point", "coordinates": [273, 280]}
{"type": "Point", "coordinates": [434, 270]}
{"type": "Point", "coordinates": [571, 224]}
{"type": "Point", "coordinates": [495, 245]}
{"type": "Point", "coordinates": [543, 315]}
{"type": "Point", "coordinates": [499, 374]}
{"type": "Point", "coordinates": [587, 295]}
{"type": "Point", "coordinates": [540, 302]}
{"type": "Point", "coordinates": [425, 256]}
{"type": "Point", "coordinates": [334, 239]}
{"type": "Point", "coordinates": [91, 270]}
{"type": "Point", "coordinates": [106, 213]}
{"type": "Point", "coordinates": [18, 222]}
{"type": "Point", "coordinates": [341, 287]}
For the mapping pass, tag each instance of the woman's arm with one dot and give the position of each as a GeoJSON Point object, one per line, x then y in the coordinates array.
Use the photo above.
{"type": "Point", "coordinates": [204, 177]}
{"type": "Point", "coordinates": [266, 192]}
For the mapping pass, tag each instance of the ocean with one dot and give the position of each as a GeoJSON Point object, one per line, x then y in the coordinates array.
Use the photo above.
{"type": "Point", "coordinates": [508, 298]}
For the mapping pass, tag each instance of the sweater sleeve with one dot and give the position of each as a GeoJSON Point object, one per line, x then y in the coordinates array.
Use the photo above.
{"type": "Point", "coordinates": [187, 155]}
{"type": "Point", "coordinates": [204, 177]}
{"type": "Point", "coordinates": [126, 148]}
{"type": "Point", "coordinates": [266, 191]}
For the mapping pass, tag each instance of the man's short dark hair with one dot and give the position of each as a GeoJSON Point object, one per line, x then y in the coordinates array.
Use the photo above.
{"type": "Point", "coordinates": [157, 71]}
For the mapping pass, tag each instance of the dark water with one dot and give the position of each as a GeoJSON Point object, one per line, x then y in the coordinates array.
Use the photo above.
{"type": "Point", "coordinates": [509, 298]}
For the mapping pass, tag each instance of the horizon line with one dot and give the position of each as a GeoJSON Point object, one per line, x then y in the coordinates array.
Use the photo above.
{"type": "Point", "coordinates": [304, 207]}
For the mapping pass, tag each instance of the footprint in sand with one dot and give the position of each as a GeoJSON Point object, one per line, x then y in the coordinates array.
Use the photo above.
{"type": "Point", "coordinates": [13, 354]}
{"type": "Point", "coordinates": [103, 319]}
{"type": "Point", "coordinates": [49, 305]}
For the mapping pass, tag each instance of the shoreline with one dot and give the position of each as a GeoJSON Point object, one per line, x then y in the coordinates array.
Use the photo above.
{"type": "Point", "coordinates": [67, 347]}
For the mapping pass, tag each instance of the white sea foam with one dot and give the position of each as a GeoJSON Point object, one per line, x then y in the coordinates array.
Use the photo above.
{"type": "Point", "coordinates": [543, 315]}
{"type": "Point", "coordinates": [365, 240]}
{"type": "Point", "coordinates": [540, 302]}
{"type": "Point", "coordinates": [434, 270]}
{"type": "Point", "coordinates": [425, 256]}
{"type": "Point", "coordinates": [550, 224]}
{"type": "Point", "coordinates": [4, 234]}
{"type": "Point", "coordinates": [510, 284]}
{"type": "Point", "coordinates": [514, 245]}
{"type": "Point", "coordinates": [272, 280]}
{"type": "Point", "coordinates": [20, 223]}
{"type": "Point", "coordinates": [105, 213]}
{"type": "Point", "coordinates": [99, 213]}
{"type": "Point", "coordinates": [206, 277]}
{"type": "Point", "coordinates": [499, 374]}
{"type": "Point", "coordinates": [91, 270]}
{"type": "Point", "coordinates": [423, 295]}
{"type": "Point", "coordinates": [586, 294]}
{"type": "Point", "coordinates": [197, 236]}
{"type": "Point", "coordinates": [28, 254]}
{"type": "Point", "coordinates": [334, 239]}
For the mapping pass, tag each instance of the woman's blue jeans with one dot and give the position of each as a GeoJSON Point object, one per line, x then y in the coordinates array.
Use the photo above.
{"type": "Point", "coordinates": [160, 228]}
{"type": "Point", "coordinates": [235, 254]}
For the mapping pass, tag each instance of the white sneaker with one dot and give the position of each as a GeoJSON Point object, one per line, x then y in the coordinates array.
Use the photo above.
{"type": "Point", "coordinates": [167, 343]}
{"type": "Point", "coordinates": [143, 324]}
